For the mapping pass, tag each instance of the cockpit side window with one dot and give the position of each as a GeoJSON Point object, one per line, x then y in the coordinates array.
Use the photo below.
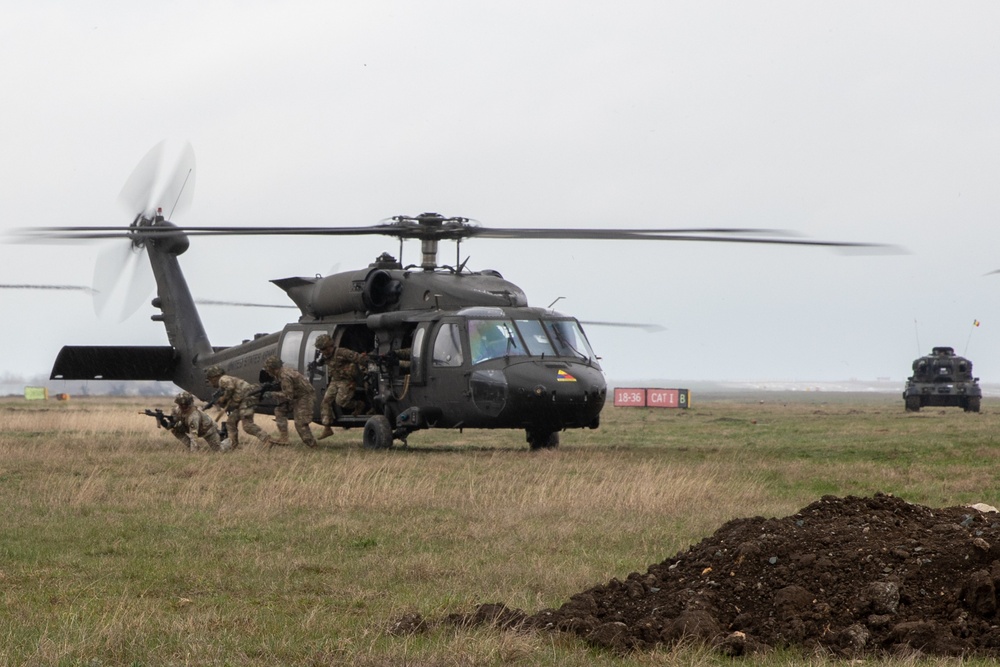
{"type": "Point", "coordinates": [569, 339]}
{"type": "Point", "coordinates": [291, 345]}
{"type": "Point", "coordinates": [417, 353]}
{"type": "Point", "coordinates": [448, 346]}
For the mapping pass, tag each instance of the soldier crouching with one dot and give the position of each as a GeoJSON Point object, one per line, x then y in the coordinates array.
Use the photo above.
{"type": "Point", "coordinates": [297, 396]}
{"type": "Point", "coordinates": [239, 399]}
{"type": "Point", "coordinates": [190, 422]}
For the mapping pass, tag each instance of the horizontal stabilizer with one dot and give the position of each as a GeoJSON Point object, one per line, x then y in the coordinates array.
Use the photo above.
{"type": "Point", "coordinates": [114, 362]}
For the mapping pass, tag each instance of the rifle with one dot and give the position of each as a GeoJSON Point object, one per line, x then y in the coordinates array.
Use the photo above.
{"type": "Point", "coordinates": [313, 366]}
{"type": "Point", "coordinates": [215, 397]}
{"type": "Point", "coordinates": [162, 420]}
{"type": "Point", "coordinates": [265, 388]}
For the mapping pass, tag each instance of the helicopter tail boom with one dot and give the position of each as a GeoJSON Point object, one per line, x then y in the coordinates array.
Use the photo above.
{"type": "Point", "coordinates": [179, 315]}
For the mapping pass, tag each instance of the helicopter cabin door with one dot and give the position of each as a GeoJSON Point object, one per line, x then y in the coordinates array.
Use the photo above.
{"type": "Point", "coordinates": [359, 338]}
{"type": "Point", "coordinates": [447, 372]}
{"type": "Point", "coordinates": [298, 349]}
{"type": "Point", "coordinates": [315, 370]}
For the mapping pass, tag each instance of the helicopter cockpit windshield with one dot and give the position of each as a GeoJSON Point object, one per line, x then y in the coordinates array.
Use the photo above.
{"type": "Point", "coordinates": [496, 338]}
{"type": "Point", "coordinates": [491, 339]}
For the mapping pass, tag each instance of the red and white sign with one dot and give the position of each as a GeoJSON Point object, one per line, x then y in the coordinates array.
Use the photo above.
{"type": "Point", "coordinates": [638, 397]}
{"type": "Point", "coordinates": [662, 398]}
{"type": "Point", "coordinates": [630, 398]}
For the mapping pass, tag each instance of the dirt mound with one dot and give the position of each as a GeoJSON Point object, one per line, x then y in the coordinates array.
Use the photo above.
{"type": "Point", "coordinates": [850, 576]}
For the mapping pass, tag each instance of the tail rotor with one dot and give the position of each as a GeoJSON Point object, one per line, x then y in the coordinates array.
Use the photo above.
{"type": "Point", "coordinates": [122, 280]}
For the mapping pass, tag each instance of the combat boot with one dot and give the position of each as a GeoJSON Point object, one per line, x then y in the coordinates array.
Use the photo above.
{"type": "Point", "coordinates": [327, 432]}
{"type": "Point", "coordinates": [275, 442]}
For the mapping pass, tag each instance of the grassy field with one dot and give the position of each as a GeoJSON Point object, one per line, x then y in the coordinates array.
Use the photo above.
{"type": "Point", "coordinates": [119, 548]}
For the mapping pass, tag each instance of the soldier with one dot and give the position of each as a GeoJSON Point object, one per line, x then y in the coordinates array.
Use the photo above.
{"type": "Point", "coordinates": [300, 396]}
{"type": "Point", "coordinates": [342, 372]}
{"type": "Point", "coordinates": [190, 422]}
{"type": "Point", "coordinates": [238, 398]}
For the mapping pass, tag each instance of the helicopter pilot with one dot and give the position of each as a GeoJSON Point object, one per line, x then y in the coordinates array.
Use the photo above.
{"type": "Point", "coordinates": [486, 340]}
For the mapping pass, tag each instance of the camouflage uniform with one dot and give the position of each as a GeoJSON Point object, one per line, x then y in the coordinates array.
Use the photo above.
{"type": "Point", "coordinates": [191, 422]}
{"type": "Point", "coordinates": [281, 409]}
{"type": "Point", "coordinates": [300, 397]}
{"type": "Point", "coordinates": [342, 370]}
{"type": "Point", "coordinates": [236, 400]}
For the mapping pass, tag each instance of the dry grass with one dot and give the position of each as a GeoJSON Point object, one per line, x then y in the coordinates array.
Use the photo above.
{"type": "Point", "coordinates": [120, 548]}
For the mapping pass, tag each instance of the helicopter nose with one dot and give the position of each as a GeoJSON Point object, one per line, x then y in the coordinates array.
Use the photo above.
{"type": "Point", "coordinates": [559, 395]}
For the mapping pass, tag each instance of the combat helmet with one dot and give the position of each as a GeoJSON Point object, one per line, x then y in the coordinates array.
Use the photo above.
{"type": "Point", "coordinates": [272, 363]}
{"type": "Point", "coordinates": [184, 399]}
{"type": "Point", "coordinates": [214, 371]}
{"type": "Point", "coordinates": [323, 341]}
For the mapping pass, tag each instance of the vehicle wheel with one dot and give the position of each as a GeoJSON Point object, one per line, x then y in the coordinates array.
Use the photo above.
{"type": "Point", "coordinates": [913, 404]}
{"type": "Point", "coordinates": [543, 439]}
{"type": "Point", "coordinates": [378, 433]}
{"type": "Point", "coordinates": [972, 404]}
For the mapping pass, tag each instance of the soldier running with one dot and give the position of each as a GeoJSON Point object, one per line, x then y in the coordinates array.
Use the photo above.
{"type": "Point", "coordinates": [190, 422]}
{"type": "Point", "coordinates": [300, 396]}
{"type": "Point", "coordinates": [239, 399]}
{"type": "Point", "coordinates": [342, 371]}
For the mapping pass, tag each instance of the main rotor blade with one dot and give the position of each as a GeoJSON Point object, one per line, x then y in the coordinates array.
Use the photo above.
{"type": "Point", "coordinates": [648, 328]}
{"type": "Point", "coordinates": [45, 234]}
{"type": "Point", "coordinates": [201, 302]}
{"type": "Point", "coordinates": [241, 304]}
{"type": "Point", "coordinates": [712, 235]}
{"type": "Point", "coordinates": [75, 288]}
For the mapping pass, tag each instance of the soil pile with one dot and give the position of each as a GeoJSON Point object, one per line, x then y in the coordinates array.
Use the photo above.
{"type": "Point", "coordinates": [850, 576]}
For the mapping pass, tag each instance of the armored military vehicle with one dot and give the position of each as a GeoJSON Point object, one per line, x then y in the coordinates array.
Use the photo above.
{"type": "Point", "coordinates": [942, 379]}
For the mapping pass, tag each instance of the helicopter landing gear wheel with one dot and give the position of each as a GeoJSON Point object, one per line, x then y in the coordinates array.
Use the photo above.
{"type": "Point", "coordinates": [913, 404]}
{"type": "Point", "coordinates": [972, 404]}
{"type": "Point", "coordinates": [543, 439]}
{"type": "Point", "coordinates": [378, 433]}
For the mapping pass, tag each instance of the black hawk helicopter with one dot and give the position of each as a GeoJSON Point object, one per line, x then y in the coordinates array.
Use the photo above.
{"type": "Point", "coordinates": [448, 347]}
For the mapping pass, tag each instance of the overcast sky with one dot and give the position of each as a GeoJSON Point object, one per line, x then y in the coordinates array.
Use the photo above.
{"type": "Point", "coordinates": [854, 121]}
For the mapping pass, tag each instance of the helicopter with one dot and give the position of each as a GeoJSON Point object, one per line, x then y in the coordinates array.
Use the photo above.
{"type": "Point", "coordinates": [447, 347]}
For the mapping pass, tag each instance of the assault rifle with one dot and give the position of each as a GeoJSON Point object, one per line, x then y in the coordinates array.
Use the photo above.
{"type": "Point", "coordinates": [313, 366]}
{"type": "Point", "coordinates": [265, 387]}
{"type": "Point", "coordinates": [168, 421]}
{"type": "Point", "coordinates": [162, 420]}
{"type": "Point", "coordinates": [215, 397]}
